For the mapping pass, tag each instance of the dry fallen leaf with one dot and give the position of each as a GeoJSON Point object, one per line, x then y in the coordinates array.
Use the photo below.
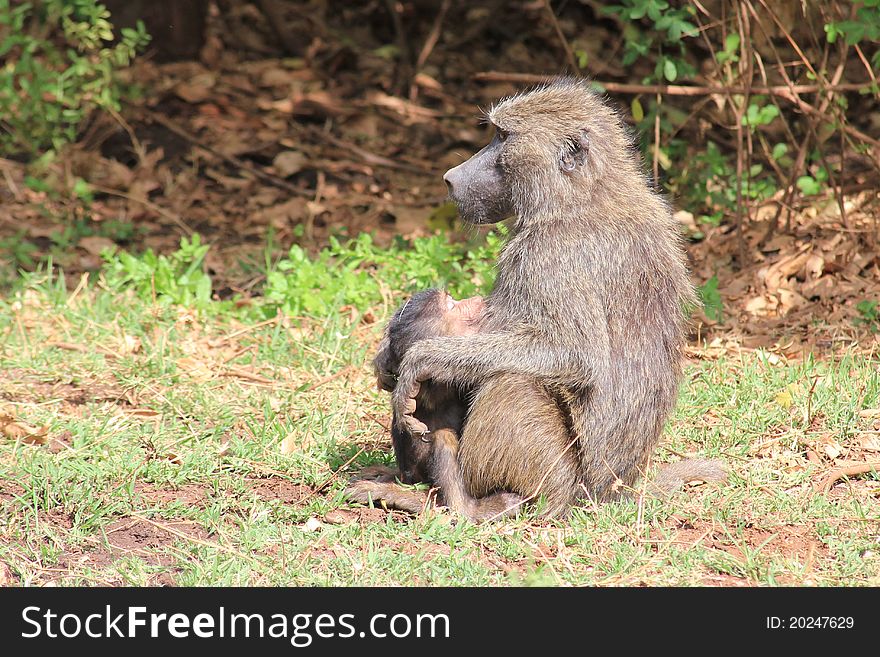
{"type": "Point", "coordinates": [339, 517]}
{"type": "Point", "coordinates": [831, 447]}
{"type": "Point", "coordinates": [197, 88]}
{"type": "Point", "coordinates": [821, 288]}
{"type": "Point", "coordinates": [195, 368]}
{"type": "Point", "coordinates": [686, 219]}
{"type": "Point", "coordinates": [6, 576]}
{"type": "Point", "coordinates": [131, 344]}
{"type": "Point", "coordinates": [770, 358]}
{"type": "Point", "coordinates": [759, 306]}
{"type": "Point", "coordinates": [7, 414]}
{"type": "Point", "coordinates": [789, 300]}
{"type": "Point", "coordinates": [313, 525]}
{"type": "Point", "coordinates": [289, 445]}
{"type": "Point", "coordinates": [814, 266]}
{"type": "Point", "coordinates": [35, 436]}
{"type": "Point", "coordinates": [869, 442]}
{"type": "Point", "coordinates": [95, 244]}
{"type": "Point", "coordinates": [16, 430]}
{"type": "Point", "coordinates": [275, 76]}
{"type": "Point", "coordinates": [427, 82]}
{"type": "Point", "coordinates": [144, 412]}
{"type": "Point", "coordinates": [282, 214]}
{"type": "Point", "coordinates": [287, 163]}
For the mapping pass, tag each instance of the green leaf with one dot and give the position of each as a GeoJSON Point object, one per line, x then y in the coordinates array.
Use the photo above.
{"type": "Point", "coordinates": [808, 185]}
{"type": "Point", "coordinates": [768, 113]}
{"type": "Point", "coordinates": [36, 184]}
{"type": "Point", "coordinates": [732, 42]}
{"type": "Point", "coordinates": [82, 190]}
{"type": "Point", "coordinates": [389, 52]}
{"type": "Point", "coordinates": [638, 112]}
{"type": "Point", "coordinates": [712, 304]}
{"type": "Point", "coordinates": [670, 72]}
{"type": "Point", "coordinates": [831, 32]}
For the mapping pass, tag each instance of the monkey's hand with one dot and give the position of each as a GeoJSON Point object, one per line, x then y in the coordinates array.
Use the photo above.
{"type": "Point", "coordinates": [403, 403]}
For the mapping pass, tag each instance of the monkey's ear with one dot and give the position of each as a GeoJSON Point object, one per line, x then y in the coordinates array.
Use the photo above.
{"type": "Point", "coordinates": [574, 152]}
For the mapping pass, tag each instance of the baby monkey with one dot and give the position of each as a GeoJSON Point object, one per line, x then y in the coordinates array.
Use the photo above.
{"type": "Point", "coordinates": [431, 458]}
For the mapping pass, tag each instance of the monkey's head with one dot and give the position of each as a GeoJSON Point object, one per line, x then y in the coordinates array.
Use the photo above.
{"type": "Point", "coordinates": [433, 313]}
{"type": "Point", "coordinates": [553, 146]}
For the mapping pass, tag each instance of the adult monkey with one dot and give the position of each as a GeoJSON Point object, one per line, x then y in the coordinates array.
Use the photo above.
{"type": "Point", "coordinates": [588, 303]}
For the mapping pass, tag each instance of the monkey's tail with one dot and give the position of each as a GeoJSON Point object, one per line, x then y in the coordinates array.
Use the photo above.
{"type": "Point", "coordinates": [673, 476]}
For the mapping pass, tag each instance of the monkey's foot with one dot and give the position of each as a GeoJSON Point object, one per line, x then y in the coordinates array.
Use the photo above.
{"type": "Point", "coordinates": [387, 494]}
{"type": "Point", "coordinates": [412, 426]}
{"type": "Point", "coordinates": [493, 507]}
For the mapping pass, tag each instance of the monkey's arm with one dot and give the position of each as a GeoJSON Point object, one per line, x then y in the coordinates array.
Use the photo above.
{"type": "Point", "coordinates": [469, 360]}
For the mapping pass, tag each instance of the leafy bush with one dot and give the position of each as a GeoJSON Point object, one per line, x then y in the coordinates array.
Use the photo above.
{"type": "Point", "coordinates": [690, 44]}
{"type": "Point", "coordinates": [356, 272]}
{"type": "Point", "coordinates": [58, 66]}
{"type": "Point", "coordinates": [866, 27]}
{"type": "Point", "coordinates": [353, 273]}
{"type": "Point", "coordinates": [175, 279]}
{"type": "Point", "coordinates": [669, 25]}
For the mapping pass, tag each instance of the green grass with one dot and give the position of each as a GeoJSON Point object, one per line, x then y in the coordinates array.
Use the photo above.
{"type": "Point", "coordinates": [146, 444]}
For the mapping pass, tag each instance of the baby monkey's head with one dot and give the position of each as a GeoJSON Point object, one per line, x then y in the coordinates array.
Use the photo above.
{"type": "Point", "coordinates": [433, 313]}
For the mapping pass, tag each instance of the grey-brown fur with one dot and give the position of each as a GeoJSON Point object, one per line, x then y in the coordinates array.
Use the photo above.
{"type": "Point", "coordinates": [588, 303]}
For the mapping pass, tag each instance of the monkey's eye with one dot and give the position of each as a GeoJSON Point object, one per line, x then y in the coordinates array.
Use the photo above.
{"type": "Point", "coordinates": [501, 134]}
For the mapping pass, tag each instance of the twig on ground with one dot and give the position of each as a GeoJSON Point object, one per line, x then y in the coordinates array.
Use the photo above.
{"type": "Point", "coordinates": [247, 329]}
{"type": "Point", "coordinates": [327, 379]}
{"type": "Point", "coordinates": [335, 474]}
{"type": "Point", "coordinates": [249, 376]}
{"type": "Point", "coordinates": [849, 471]}
{"type": "Point", "coordinates": [70, 346]}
